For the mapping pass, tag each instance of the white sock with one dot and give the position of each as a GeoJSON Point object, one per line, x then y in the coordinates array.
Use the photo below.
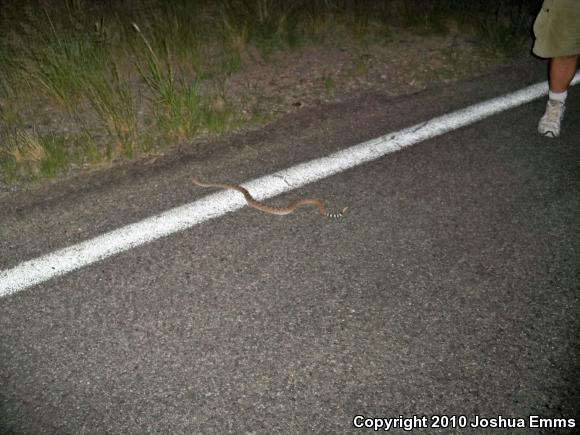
{"type": "Point", "coordinates": [558, 96]}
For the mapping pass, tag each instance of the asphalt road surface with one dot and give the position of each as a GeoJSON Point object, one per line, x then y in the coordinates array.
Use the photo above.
{"type": "Point", "coordinates": [451, 288]}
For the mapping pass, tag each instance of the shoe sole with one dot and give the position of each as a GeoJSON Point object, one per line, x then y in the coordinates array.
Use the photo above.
{"type": "Point", "coordinates": [550, 134]}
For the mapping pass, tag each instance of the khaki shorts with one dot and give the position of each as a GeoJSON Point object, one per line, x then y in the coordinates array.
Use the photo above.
{"type": "Point", "coordinates": [557, 29]}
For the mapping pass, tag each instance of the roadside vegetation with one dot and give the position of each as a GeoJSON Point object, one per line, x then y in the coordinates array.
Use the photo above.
{"type": "Point", "coordinates": [84, 83]}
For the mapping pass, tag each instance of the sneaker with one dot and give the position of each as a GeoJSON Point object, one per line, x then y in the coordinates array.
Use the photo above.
{"type": "Point", "coordinates": [549, 124]}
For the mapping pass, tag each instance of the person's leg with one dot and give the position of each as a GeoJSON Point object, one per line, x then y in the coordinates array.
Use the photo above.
{"type": "Point", "coordinates": [562, 70]}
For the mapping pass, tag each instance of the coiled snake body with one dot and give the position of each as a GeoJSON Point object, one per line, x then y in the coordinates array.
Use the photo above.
{"type": "Point", "coordinates": [270, 209]}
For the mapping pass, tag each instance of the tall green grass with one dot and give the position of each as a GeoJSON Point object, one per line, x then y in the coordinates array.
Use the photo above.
{"type": "Point", "coordinates": [505, 31]}
{"type": "Point", "coordinates": [117, 78]}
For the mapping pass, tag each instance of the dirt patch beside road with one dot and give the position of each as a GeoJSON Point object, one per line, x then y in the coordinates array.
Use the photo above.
{"type": "Point", "coordinates": [264, 90]}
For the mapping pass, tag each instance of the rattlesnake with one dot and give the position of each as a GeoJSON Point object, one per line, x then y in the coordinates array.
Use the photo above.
{"type": "Point", "coordinates": [268, 208]}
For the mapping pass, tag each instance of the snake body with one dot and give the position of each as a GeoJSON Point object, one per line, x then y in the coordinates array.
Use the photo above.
{"type": "Point", "coordinates": [252, 202]}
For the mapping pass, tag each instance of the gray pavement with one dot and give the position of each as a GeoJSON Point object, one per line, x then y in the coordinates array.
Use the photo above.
{"type": "Point", "coordinates": [452, 287]}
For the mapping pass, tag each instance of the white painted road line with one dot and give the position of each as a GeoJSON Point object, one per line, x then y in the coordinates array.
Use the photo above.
{"type": "Point", "coordinates": [43, 268]}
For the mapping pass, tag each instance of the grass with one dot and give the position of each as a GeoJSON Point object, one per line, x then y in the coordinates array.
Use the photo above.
{"type": "Point", "coordinates": [504, 32]}
{"type": "Point", "coordinates": [87, 82]}
{"type": "Point", "coordinates": [328, 82]}
{"type": "Point", "coordinates": [360, 65]}
{"type": "Point", "coordinates": [26, 155]}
